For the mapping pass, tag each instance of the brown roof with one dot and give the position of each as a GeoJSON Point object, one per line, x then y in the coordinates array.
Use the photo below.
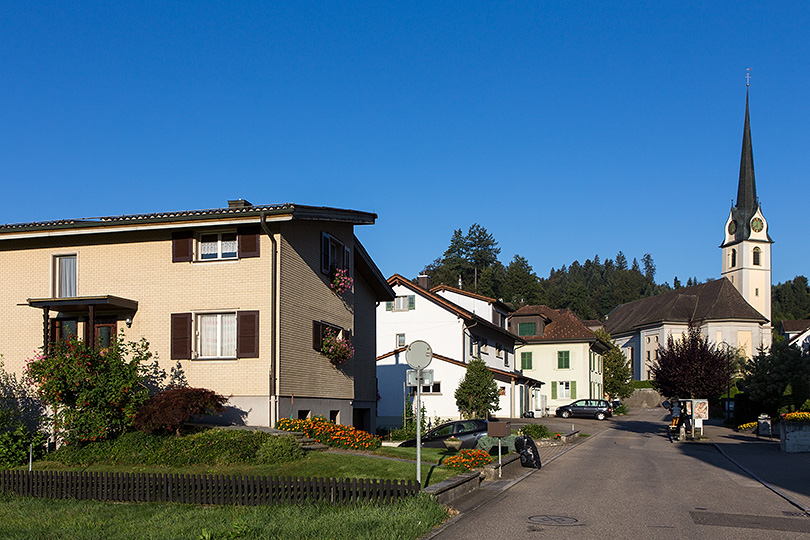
{"type": "Point", "coordinates": [439, 288]}
{"type": "Point", "coordinates": [795, 325]}
{"type": "Point", "coordinates": [561, 325]}
{"type": "Point", "coordinates": [714, 300]}
{"type": "Point", "coordinates": [459, 311]}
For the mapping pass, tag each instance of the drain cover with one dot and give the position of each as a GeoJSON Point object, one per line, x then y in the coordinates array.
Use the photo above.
{"type": "Point", "coordinates": [553, 520]}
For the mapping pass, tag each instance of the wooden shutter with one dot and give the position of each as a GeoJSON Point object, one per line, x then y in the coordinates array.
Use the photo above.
{"type": "Point", "coordinates": [325, 261]}
{"type": "Point", "coordinates": [553, 389]}
{"type": "Point", "coordinates": [181, 336]}
{"type": "Point", "coordinates": [411, 301]}
{"type": "Point", "coordinates": [182, 246]}
{"type": "Point", "coordinates": [247, 334]}
{"type": "Point", "coordinates": [389, 306]}
{"type": "Point", "coordinates": [317, 335]}
{"type": "Point", "coordinates": [573, 389]}
{"type": "Point", "coordinates": [248, 241]}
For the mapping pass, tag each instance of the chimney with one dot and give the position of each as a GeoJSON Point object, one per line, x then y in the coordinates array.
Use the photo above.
{"type": "Point", "coordinates": [239, 203]}
{"type": "Point", "coordinates": [424, 281]}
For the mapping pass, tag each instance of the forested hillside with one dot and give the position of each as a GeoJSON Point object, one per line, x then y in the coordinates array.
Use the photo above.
{"type": "Point", "coordinates": [590, 289]}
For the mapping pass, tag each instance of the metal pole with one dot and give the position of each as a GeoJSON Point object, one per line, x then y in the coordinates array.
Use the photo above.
{"type": "Point", "coordinates": [419, 426]}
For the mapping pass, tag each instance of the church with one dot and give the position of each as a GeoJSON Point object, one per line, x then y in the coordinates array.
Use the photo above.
{"type": "Point", "coordinates": [733, 311]}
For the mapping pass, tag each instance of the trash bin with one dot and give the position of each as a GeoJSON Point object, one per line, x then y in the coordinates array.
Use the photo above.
{"type": "Point", "coordinates": [763, 425]}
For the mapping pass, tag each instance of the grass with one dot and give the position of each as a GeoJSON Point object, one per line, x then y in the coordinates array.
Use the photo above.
{"type": "Point", "coordinates": [343, 464]}
{"type": "Point", "coordinates": [23, 518]}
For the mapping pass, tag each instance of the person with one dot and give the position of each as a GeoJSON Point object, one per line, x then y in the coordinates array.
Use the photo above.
{"type": "Point", "coordinates": [675, 410]}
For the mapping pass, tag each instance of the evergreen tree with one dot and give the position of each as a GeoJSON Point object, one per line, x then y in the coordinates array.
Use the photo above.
{"type": "Point", "coordinates": [477, 394]}
{"type": "Point", "coordinates": [779, 380]}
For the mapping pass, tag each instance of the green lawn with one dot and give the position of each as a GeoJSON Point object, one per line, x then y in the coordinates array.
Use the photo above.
{"type": "Point", "coordinates": [23, 518]}
{"type": "Point", "coordinates": [339, 464]}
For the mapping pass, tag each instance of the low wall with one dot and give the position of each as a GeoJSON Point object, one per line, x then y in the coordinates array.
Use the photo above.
{"type": "Point", "coordinates": [451, 489]}
{"type": "Point", "coordinates": [794, 436]}
{"type": "Point", "coordinates": [643, 398]}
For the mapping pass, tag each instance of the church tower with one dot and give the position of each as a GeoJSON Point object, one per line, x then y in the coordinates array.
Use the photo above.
{"type": "Point", "coordinates": [747, 245]}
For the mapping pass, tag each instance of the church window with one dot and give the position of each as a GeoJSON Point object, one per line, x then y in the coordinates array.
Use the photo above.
{"type": "Point", "coordinates": [757, 253]}
{"type": "Point", "coordinates": [733, 258]}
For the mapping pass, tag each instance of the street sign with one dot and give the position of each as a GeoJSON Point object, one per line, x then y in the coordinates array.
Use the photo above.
{"type": "Point", "coordinates": [419, 354]}
{"type": "Point", "coordinates": [413, 377]}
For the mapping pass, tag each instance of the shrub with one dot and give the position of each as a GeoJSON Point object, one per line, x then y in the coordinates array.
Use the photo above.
{"type": "Point", "coordinates": [170, 409]}
{"type": "Point", "coordinates": [15, 445]}
{"type": "Point", "coordinates": [207, 447]}
{"type": "Point", "coordinates": [621, 409]}
{"type": "Point", "coordinates": [490, 444]}
{"type": "Point", "coordinates": [536, 431]}
{"type": "Point", "coordinates": [279, 449]}
{"type": "Point", "coordinates": [642, 384]}
{"type": "Point", "coordinates": [331, 434]}
{"type": "Point", "coordinates": [468, 459]}
{"type": "Point", "coordinates": [93, 393]}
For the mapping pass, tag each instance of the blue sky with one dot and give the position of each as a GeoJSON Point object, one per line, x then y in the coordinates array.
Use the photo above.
{"type": "Point", "coordinates": [567, 129]}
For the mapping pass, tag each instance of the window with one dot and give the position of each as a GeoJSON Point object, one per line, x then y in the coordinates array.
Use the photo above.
{"type": "Point", "coordinates": [318, 331]}
{"type": "Point", "coordinates": [402, 303]}
{"type": "Point", "coordinates": [63, 329]}
{"type": "Point", "coordinates": [334, 254]}
{"type": "Point", "coordinates": [233, 334]}
{"type": "Point", "coordinates": [527, 329]}
{"type": "Point", "coordinates": [733, 262]}
{"type": "Point", "coordinates": [563, 360]}
{"type": "Point", "coordinates": [525, 360]}
{"type": "Point", "coordinates": [757, 253]}
{"type": "Point", "coordinates": [65, 276]}
{"type": "Point", "coordinates": [215, 246]}
{"type": "Point", "coordinates": [498, 350]}
{"type": "Point", "coordinates": [104, 334]}
{"type": "Point", "coordinates": [484, 346]}
{"type": "Point", "coordinates": [216, 334]}
{"type": "Point", "coordinates": [400, 340]}
{"type": "Point", "coordinates": [435, 388]}
{"type": "Point", "coordinates": [564, 390]}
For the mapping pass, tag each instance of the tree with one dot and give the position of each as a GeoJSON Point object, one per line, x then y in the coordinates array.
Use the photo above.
{"type": "Point", "coordinates": [477, 394]}
{"type": "Point", "coordinates": [691, 367]}
{"type": "Point", "coordinates": [93, 394]}
{"type": "Point", "coordinates": [170, 409]}
{"type": "Point", "coordinates": [521, 283]}
{"type": "Point", "coordinates": [465, 259]}
{"type": "Point", "coordinates": [618, 374]}
{"type": "Point", "coordinates": [778, 379]}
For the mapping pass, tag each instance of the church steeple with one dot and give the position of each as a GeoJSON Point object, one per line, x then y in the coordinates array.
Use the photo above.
{"type": "Point", "coordinates": [747, 244]}
{"type": "Point", "coordinates": [747, 202]}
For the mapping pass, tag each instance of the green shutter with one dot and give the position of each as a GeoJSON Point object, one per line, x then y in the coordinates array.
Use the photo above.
{"type": "Point", "coordinates": [573, 389]}
{"type": "Point", "coordinates": [412, 301]}
{"type": "Point", "coordinates": [525, 360]}
{"type": "Point", "coordinates": [553, 389]}
{"type": "Point", "coordinates": [389, 306]}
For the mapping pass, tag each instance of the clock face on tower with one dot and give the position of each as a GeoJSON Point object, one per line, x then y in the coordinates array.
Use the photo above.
{"type": "Point", "coordinates": [732, 227]}
{"type": "Point", "coordinates": [756, 224]}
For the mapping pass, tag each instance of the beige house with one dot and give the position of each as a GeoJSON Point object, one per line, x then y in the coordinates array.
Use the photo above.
{"type": "Point", "coordinates": [239, 296]}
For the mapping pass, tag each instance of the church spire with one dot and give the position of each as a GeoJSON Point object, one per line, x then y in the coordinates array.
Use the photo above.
{"type": "Point", "coordinates": [747, 189]}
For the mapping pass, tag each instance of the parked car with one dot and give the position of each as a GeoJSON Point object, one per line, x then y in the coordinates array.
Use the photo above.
{"type": "Point", "coordinates": [469, 431]}
{"type": "Point", "coordinates": [587, 408]}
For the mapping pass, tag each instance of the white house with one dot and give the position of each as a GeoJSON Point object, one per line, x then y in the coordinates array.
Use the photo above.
{"type": "Point", "coordinates": [797, 332]}
{"type": "Point", "coordinates": [456, 334]}
{"type": "Point", "coordinates": [560, 350]}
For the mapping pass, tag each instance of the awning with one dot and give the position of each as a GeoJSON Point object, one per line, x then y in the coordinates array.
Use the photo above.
{"type": "Point", "coordinates": [82, 304]}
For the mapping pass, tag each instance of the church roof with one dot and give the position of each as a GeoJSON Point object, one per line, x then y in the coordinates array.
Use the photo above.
{"type": "Point", "coordinates": [714, 300]}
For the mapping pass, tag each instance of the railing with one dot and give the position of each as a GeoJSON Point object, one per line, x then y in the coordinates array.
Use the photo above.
{"type": "Point", "coordinates": [200, 489]}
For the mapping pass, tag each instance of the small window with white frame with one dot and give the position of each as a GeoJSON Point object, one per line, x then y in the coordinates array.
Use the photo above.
{"type": "Point", "coordinates": [400, 340]}
{"type": "Point", "coordinates": [216, 335]}
{"type": "Point", "coordinates": [218, 246]}
{"type": "Point", "coordinates": [64, 274]}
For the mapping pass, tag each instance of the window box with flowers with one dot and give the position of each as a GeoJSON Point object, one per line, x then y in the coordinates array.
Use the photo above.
{"type": "Point", "coordinates": [341, 281]}
{"type": "Point", "coordinates": [336, 347]}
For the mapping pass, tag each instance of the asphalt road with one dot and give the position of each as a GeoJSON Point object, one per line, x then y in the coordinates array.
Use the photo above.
{"type": "Point", "coordinates": [628, 481]}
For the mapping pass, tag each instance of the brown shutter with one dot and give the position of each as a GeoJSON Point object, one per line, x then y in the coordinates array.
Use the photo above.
{"type": "Point", "coordinates": [247, 334]}
{"type": "Point", "coordinates": [182, 246]}
{"type": "Point", "coordinates": [317, 335]}
{"type": "Point", "coordinates": [248, 242]}
{"type": "Point", "coordinates": [325, 260]}
{"type": "Point", "coordinates": [181, 336]}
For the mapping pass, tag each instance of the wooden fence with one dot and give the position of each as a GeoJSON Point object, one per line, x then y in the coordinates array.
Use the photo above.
{"type": "Point", "coordinates": [199, 489]}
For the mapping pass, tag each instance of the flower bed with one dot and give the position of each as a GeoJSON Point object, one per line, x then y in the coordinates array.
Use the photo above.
{"type": "Point", "coordinates": [798, 416]}
{"type": "Point", "coordinates": [331, 434]}
{"type": "Point", "coordinates": [467, 459]}
{"type": "Point", "coordinates": [750, 426]}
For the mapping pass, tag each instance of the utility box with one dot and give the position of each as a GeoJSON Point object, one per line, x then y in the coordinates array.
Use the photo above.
{"type": "Point", "coordinates": [763, 425]}
{"type": "Point", "coordinates": [499, 429]}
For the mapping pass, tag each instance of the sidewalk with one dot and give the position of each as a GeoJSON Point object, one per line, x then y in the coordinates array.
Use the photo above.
{"type": "Point", "coordinates": [787, 474]}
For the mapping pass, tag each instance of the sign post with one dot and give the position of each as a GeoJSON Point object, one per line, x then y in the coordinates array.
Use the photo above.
{"type": "Point", "coordinates": [418, 355]}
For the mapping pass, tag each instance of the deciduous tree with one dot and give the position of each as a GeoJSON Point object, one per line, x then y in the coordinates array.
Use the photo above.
{"type": "Point", "coordinates": [618, 374]}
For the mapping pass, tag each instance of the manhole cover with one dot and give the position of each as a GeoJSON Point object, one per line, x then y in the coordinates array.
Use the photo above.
{"type": "Point", "coordinates": [553, 520]}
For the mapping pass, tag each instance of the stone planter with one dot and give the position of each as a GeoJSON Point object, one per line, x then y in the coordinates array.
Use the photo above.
{"type": "Point", "coordinates": [454, 445]}
{"type": "Point", "coordinates": [794, 436]}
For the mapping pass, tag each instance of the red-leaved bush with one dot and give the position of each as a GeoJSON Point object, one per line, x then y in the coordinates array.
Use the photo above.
{"type": "Point", "coordinates": [170, 409]}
